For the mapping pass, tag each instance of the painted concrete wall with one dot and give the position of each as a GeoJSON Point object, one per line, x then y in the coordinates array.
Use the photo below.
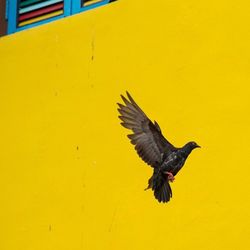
{"type": "Point", "coordinates": [69, 177]}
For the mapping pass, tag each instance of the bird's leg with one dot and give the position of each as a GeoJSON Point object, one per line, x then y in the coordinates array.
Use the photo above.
{"type": "Point", "coordinates": [170, 176]}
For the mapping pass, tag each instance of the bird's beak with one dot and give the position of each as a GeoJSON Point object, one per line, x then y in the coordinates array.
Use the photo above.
{"type": "Point", "coordinates": [198, 146]}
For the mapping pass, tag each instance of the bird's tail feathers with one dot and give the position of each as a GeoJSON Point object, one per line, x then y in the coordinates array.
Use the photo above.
{"type": "Point", "coordinates": [160, 185]}
{"type": "Point", "coordinates": [164, 192]}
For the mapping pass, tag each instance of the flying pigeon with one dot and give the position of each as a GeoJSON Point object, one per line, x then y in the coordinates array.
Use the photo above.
{"type": "Point", "coordinates": [153, 148]}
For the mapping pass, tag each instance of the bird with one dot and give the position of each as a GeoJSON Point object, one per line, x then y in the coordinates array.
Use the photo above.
{"type": "Point", "coordinates": [153, 148]}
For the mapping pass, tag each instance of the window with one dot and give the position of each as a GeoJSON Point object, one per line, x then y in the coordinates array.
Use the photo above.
{"type": "Point", "coordinates": [23, 14]}
{"type": "Point", "coordinates": [81, 5]}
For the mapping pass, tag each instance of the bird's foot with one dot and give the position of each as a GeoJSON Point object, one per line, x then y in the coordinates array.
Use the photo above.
{"type": "Point", "coordinates": [170, 176]}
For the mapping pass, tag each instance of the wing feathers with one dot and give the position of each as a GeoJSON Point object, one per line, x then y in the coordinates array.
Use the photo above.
{"type": "Point", "coordinates": [127, 110]}
{"type": "Point", "coordinates": [133, 102]}
{"type": "Point", "coordinates": [130, 125]}
{"type": "Point", "coordinates": [157, 126]}
{"type": "Point", "coordinates": [127, 119]}
{"type": "Point", "coordinates": [128, 104]}
{"type": "Point", "coordinates": [147, 137]}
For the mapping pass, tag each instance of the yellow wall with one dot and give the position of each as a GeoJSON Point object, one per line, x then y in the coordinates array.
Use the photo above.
{"type": "Point", "coordinates": [187, 64]}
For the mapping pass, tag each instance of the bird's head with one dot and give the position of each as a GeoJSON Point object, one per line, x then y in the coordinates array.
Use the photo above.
{"type": "Point", "coordinates": [192, 145]}
{"type": "Point", "coordinates": [188, 148]}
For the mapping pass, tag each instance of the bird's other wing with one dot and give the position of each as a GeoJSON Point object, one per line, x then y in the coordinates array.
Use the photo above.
{"type": "Point", "coordinates": [149, 142]}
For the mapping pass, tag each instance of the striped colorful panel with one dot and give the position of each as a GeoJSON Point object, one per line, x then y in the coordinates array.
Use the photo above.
{"type": "Point", "coordinates": [25, 3]}
{"type": "Point", "coordinates": [31, 11]}
{"type": "Point", "coordinates": [89, 2]}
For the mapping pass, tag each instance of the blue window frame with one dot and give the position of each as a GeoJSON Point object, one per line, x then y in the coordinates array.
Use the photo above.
{"type": "Point", "coordinates": [83, 5]}
{"type": "Point", "coordinates": [24, 14]}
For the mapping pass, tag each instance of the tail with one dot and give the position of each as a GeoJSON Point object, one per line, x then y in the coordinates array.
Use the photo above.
{"type": "Point", "coordinates": [164, 192]}
{"type": "Point", "coordinates": [160, 185]}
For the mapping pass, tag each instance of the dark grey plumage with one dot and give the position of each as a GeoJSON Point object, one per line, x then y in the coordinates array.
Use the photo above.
{"type": "Point", "coordinates": [153, 148]}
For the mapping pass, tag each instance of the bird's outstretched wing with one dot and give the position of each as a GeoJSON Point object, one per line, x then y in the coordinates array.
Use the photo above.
{"type": "Point", "coordinates": [149, 142]}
